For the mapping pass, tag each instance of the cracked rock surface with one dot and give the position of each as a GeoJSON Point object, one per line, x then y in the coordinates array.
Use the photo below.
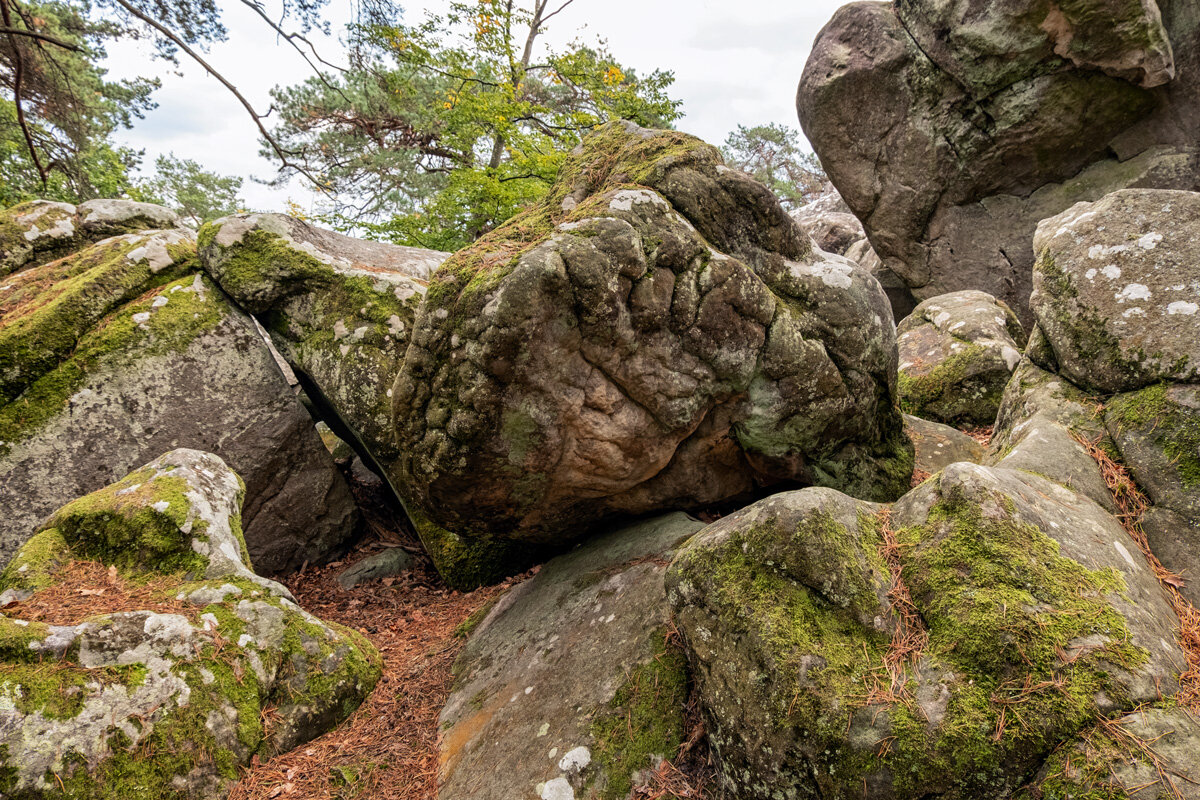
{"type": "Point", "coordinates": [657, 334]}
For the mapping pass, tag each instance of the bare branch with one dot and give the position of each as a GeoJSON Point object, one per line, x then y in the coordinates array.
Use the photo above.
{"type": "Point", "coordinates": [18, 100]}
{"type": "Point", "coordinates": [42, 38]}
{"type": "Point", "coordinates": [258, 118]}
{"type": "Point", "coordinates": [292, 39]}
{"type": "Point", "coordinates": [557, 11]}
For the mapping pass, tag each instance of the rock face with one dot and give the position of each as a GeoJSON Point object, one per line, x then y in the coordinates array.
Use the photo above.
{"type": "Point", "coordinates": [938, 446]}
{"type": "Point", "coordinates": [568, 687]}
{"type": "Point", "coordinates": [657, 334]}
{"type": "Point", "coordinates": [1103, 764]}
{"type": "Point", "coordinates": [39, 231]}
{"type": "Point", "coordinates": [952, 128]}
{"type": "Point", "coordinates": [340, 310]}
{"type": "Point", "coordinates": [957, 352]}
{"type": "Point", "coordinates": [168, 700]}
{"type": "Point", "coordinates": [830, 223]}
{"type": "Point", "coordinates": [121, 352]}
{"type": "Point", "coordinates": [1116, 290]}
{"type": "Point", "coordinates": [1025, 616]}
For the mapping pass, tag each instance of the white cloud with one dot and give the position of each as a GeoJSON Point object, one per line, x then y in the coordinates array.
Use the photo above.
{"type": "Point", "coordinates": [729, 69]}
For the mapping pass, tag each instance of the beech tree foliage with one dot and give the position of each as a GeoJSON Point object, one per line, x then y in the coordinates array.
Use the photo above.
{"type": "Point", "coordinates": [443, 129]}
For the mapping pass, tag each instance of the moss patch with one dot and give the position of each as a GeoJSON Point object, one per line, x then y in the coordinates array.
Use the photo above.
{"type": "Point", "coordinates": [1173, 427]}
{"type": "Point", "coordinates": [644, 721]}
{"type": "Point", "coordinates": [467, 564]}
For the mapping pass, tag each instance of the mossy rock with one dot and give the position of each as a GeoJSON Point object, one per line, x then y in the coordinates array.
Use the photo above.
{"type": "Point", "coordinates": [957, 352]}
{"type": "Point", "coordinates": [143, 362]}
{"type": "Point", "coordinates": [656, 334]}
{"type": "Point", "coordinates": [571, 679]}
{"type": "Point", "coordinates": [1026, 633]}
{"type": "Point", "coordinates": [1157, 431]}
{"type": "Point", "coordinates": [168, 701]}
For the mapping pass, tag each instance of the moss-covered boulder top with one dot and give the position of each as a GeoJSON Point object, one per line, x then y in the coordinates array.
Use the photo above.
{"type": "Point", "coordinates": [340, 310]}
{"type": "Point", "coordinates": [568, 686]}
{"type": "Point", "coordinates": [1116, 290]}
{"type": "Point", "coordinates": [139, 653]}
{"type": "Point", "coordinates": [957, 352]}
{"type": "Point", "coordinates": [39, 231]}
{"type": "Point", "coordinates": [656, 334]}
{"type": "Point", "coordinates": [945, 648]}
{"type": "Point", "coordinates": [120, 350]}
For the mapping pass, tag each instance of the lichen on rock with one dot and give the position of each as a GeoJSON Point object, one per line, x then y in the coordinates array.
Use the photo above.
{"type": "Point", "coordinates": [166, 701]}
{"type": "Point", "coordinates": [656, 334]}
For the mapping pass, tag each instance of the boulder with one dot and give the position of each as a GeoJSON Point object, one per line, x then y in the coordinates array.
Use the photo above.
{"type": "Point", "coordinates": [938, 446]}
{"type": "Point", "coordinates": [183, 666]}
{"type": "Point", "coordinates": [122, 351]}
{"type": "Point", "coordinates": [1116, 291]}
{"type": "Point", "coordinates": [1157, 431]}
{"type": "Point", "coordinates": [39, 231]}
{"type": "Point", "coordinates": [656, 334]}
{"type": "Point", "coordinates": [1041, 428]}
{"type": "Point", "coordinates": [1175, 541]}
{"type": "Point", "coordinates": [952, 128]}
{"type": "Point", "coordinates": [899, 295]}
{"type": "Point", "coordinates": [569, 683]}
{"type": "Point", "coordinates": [385, 564]}
{"type": "Point", "coordinates": [1148, 755]}
{"type": "Point", "coordinates": [340, 310]}
{"type": "Point", "coordinates": [943, 650]}
{"type": "Point", "coordinates": [830, 223]}
{"type": "Point", "coordinates": [957, 352]}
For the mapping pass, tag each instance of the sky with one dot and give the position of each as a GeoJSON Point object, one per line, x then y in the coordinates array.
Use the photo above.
{"type": "Point", "coordinates": [734, 63]}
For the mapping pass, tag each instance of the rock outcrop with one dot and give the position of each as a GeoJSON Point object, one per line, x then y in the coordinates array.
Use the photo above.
{"type": "Point", "coordinates": [656, 334]}
{"type": "Point", "coordinates": [184, 665]}
{"type": "Point", "coordinates": [569, 682]}
{"type": "Point", "coordinates": [974, 629]}
{"type": "Point", "coordinates": [39, 231]}
{"type": "Point", "coordinates": [830, 223]}
{"type": "Point", "coordinates": [1116, 291]}
{"type": "Point", "coordinates": [951, 129]}
{"type": "Point", "coordinates": [957, 352]}
{"type": "Point", "coordinates": [122, 351]}
{"type": "Point", "coordinates": [340, 310]}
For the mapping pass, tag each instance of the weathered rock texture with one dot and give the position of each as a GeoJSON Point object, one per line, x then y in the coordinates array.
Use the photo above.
{"type": "Point", "coordinates": [938, 446]}
{"type": "Point", "coordinates": [39, 231]}
{"type": "Point", "coordinates": [957, 352]}
{"type": "Point", "coordinates": [121, 352]}
{"type": "Point", "coordinates": [1035, 615]}
{"type": "Point", "coordinates": [657, 334]}
{"type": "Point", "coordinates": [170, 700]}
{"type": "Point", "coordinates": [568, 688]}
{"type": "Point", "coordinates": [952, 128]}
{"type": "Point", "coordinates": [1117, 291]}
{"type": "Point", "coordinates": [830, 223]}
{"type": "Point", "coordinates": [340, 310]}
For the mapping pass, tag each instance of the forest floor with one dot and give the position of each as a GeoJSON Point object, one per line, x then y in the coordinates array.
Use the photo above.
{"type": "Point", "coordinates": [388, 749]}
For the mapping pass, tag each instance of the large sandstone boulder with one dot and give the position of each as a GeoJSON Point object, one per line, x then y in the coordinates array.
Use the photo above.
{"type": "Point", "coordinates": [39, 231]}
{"type": "Point", "coordinates": [123, 351]}
{"type": "Point", "coordinates": [952, 128]}
{"type": "Point", "coordinates": [569, 687]}
{"type": "Point", "coordinates": [957, 352]}
{"type": "Point", "coordinates": [1116, 290]}
{"type": "Point", "coordinates": [944, 650]}
{"type": "Point", "coordinates": [830, 223]}
{"type": "Point", "coordinates": [340, 310]}
{"type": "Point", "coordinates": [656, 334]}
{"type": "Point", "coordinates": [181, 665]}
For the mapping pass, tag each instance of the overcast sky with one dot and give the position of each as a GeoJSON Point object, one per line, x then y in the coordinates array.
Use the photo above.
{"type": "Point", "coordinates": [734, 63]}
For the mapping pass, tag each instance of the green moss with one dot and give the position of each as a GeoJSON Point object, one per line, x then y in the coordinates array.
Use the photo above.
{"type": "Point", "coordinates": [1173, 427]}
{"type": "Point", "coordinates": [466, 564]}
{"type": "Point", "coordinates": [114, 342]}
{"type": "Point", "coordinates": [1085, 329]}
{"type": "Point", "coordinates": [51, 308]}
{"type": "Point", "coordinates": [643, 722]}
{"type": "Point", "coordinates": [15, 640]}
{"type": "Point", "coordinates": [263, 268]}
{"type": "Point", "coordinates": [33, 566]}
{"type": "Point", "coordinates": [1084, 771]}
{"type": "Point", "coordinates": [953, 392]}
{"type": "Point", "coordinates": [119, 525]}
{"type": "Point", "coordinates": [468, 626]}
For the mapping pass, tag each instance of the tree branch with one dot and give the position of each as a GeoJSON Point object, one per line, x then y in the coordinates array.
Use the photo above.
{"type": "Point", "coordinates": [18, 101]}
{"type": "Point", "coordinates": [41, 37]}
{"type": "Point", "coordinates": [258, 118]}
